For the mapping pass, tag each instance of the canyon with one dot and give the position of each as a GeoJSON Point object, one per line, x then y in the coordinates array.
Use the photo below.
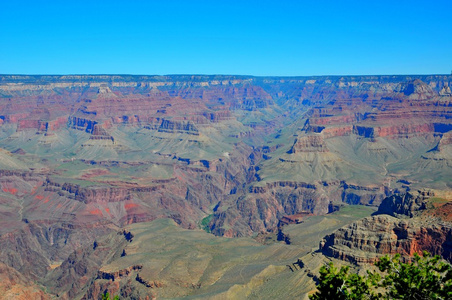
{"type": "Point", "coordinates": [223, 160]}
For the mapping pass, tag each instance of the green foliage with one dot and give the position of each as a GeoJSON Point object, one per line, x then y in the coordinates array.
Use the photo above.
{"type": "Point", "coordinates": [339, 284]}
{"type": "Point", "coordinates": [205, 223]}
{"type": "Point", "coordinates": [424, 278]}
{"type": "Point", "coordinates": [106, 296]}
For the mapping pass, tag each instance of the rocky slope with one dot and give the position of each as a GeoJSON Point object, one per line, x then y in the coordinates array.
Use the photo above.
{"type": "Point", "coordinates": [13, 285]}
{"type": "Point", "coordinates": [161, 260]}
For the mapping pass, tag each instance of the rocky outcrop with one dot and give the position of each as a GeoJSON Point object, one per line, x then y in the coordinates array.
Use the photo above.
{"type": "Point", "coordinates": [178, 127]}
{"type": "Point", "coordinates": [407, 204]}
{"type": "Point", "coordinates": [446, 140]}
{"type": "Point", "coordinates": [417, 90]}
{"type": "Point", "coordinates": [90, 194]}
{"type": "Point", "coordinates": [366, 240]}
{"type": "Point", "coordinates": [149, 284]}
{"type": "Point", "coordinates": [394, 132]}
{"type": "Point", "coordinates": [115, 275]}
{"type": "Point", "coordinates": [81, 124]}
{"type": "Point", "coordinates": [445, 91]}
{"type": "Point", "coordinates": [311, 143]}
{"type": "Point", "coordinates": [99, 133]}
{"type": "Point", "coordinates": [398, 227]}
{"type": "Point", "coordinates": [41, 126]}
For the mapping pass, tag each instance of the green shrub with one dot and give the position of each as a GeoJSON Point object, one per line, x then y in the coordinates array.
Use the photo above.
{"type": "Point", "coordinates": [423, 278]}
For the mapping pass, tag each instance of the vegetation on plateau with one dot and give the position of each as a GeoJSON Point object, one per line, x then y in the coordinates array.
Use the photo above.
{"type": "Point", "coordinates": [424, 277]}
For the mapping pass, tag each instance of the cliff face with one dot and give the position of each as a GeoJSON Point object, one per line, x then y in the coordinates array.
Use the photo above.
{"type": "Point", "coordinates": [177, 126]}
{"type": "Point", "coordinates": [365, 241]}
{"type": "Point", "coordinates": [313, 143]}
{"type": "Point", "coordinates": [405, 204]}
{"type": "Point", "coordinates": [413, 230]}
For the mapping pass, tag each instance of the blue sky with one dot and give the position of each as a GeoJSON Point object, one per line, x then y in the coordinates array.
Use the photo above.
{"type": "Point", "coordinates": [226, 37]}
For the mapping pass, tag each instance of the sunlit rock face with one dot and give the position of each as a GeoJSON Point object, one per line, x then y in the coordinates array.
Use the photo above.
{"type": "Point", "coordinates": [406, 223]}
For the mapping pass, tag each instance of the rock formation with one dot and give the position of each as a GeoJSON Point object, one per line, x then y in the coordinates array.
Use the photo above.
{"type": "Point", "coordinates": [366, 240]}
{"type": "Point", "coordinates": [405, 204]}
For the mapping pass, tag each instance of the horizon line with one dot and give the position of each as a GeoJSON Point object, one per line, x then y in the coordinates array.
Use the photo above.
{"type": "Point", "coordinates": [220, 75]}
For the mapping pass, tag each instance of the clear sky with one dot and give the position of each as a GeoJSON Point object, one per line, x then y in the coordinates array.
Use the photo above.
{"type": "Point", "coordinates": [226, 37]}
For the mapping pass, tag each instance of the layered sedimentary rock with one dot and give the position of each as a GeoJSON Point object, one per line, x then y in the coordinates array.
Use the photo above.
{"type": "Point", "coordinates": [415, 226]}
{"type": "Point", "coordinates": [365, 241]}
{"type": "Point", "coordinates": [312, 143]}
